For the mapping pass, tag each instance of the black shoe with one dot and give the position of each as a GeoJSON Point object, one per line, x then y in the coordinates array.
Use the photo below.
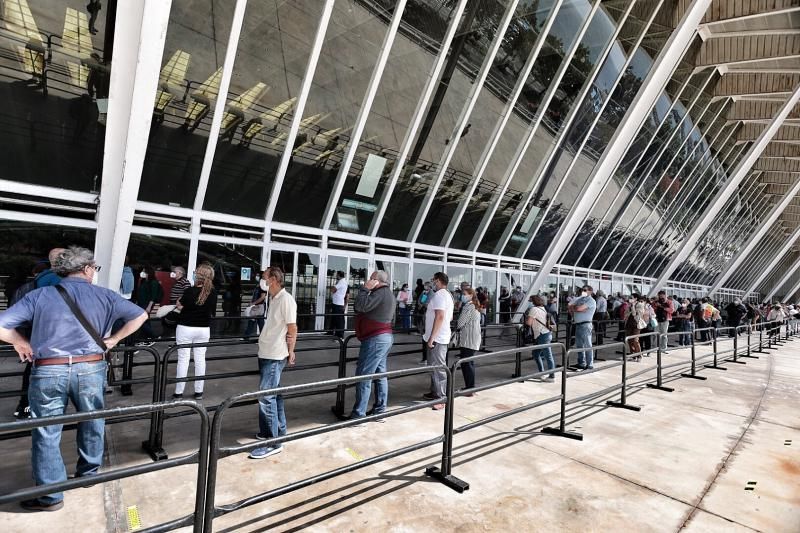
{"type": "Point", "coordinates": [177, 396]}
{"type": "Point", "coordinates": [22, 414]}
{"type": "Point", "coordinates": [198, 395]}
{"type": "Point", "coordinates": [36, 505]}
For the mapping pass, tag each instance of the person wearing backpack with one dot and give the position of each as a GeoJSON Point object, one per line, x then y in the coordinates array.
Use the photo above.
{"type": "Point", "coordinates": [541, 326]}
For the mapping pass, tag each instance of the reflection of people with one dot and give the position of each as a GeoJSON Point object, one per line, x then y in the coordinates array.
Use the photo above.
{"type": "Point", "coordinates": [258, 307]}
{"type": "Point", "coordinates": [56, 379]}
{"type": "Point", "coordinates": [404, 303]}
{"type": "Point", "coordinates": [147, 295]}
{"type": "Point", "coordinates": [275, 346]}
{"type": "Point", "coordinates": [339, 304]}
{"type": "Point", "coordinates": [232, 304]}
{"type": "Point", "coordinates": [197, 305]}
{"type": "Point", "coordinates": [93, 7]}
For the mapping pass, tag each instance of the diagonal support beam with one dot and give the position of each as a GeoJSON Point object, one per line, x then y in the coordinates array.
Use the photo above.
{"type": "Point", "coordinates": [739, 173]}
{"type": "Point", "coordinates": [773, 216]}
{"type": "Point", "coordinates": [784, 279]}
{"type": "Point", "coordinates": [775, 260]}
{"type": "Point", "coordinates": [637, 113]}
{"type": "Point", "coordinates": [791, 292]}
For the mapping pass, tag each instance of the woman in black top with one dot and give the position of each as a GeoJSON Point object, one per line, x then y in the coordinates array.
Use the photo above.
{"type": "Point", "coordinates": [197, 305]}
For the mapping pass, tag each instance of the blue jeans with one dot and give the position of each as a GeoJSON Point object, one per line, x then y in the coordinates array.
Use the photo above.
{"type": "Point", "coordinates": [405, 315]}
{"type": "Point", "coordinates": [583, 339]}
{"type": "Point", "coordinates": [544, 355]}
{"type": "Point", "coordinates": [271, 417]}
{"type": "Point", "coordinates": [372, 360]}
{"type": "Point", "coordinates": [686, 336]}
{"type": "Point", "coordinates": [251, 326]}
{"type": "Point", "coordinates": [51, 388]}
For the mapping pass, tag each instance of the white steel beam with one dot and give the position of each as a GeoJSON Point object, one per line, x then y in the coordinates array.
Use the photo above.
{"type": "Point", "coordinates": [741, 171]}
{"type": "Point", "coordinates": [756, 237]}
{"type": "Point", "coordinates": [792, 291]}
{"type": "Point", "coordinates": [140, 34]}
{"type": "Point", "coordinates": [775, 260]}
{"type": "Point", "coordinates": [631, 123]}
{"type": "Point", "coordinates": [784, 279]}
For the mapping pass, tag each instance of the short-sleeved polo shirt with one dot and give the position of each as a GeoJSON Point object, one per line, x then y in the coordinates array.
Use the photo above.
{"type": "Point", "coordinates": [281, 311]}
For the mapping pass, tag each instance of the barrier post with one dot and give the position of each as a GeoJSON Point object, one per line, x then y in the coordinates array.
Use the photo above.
{"type": "Point", "coordinates": [338, 408]}
{"type": "Point", "coordinates": [623, 397]}
{"type": "Point", "coordinates": [444, 474]}
{"type": "Point", "coordinates": [561, 430]}
{"type": "Point", "coordinates": [715, 366]}
{"type": "Point", "coordinates": [749, 354]}
{"type": "Point", "coordinates": [736, 348]}
{"type": "Point", "coordinates": [693, 373]}
{"type": "Point", "coordinates": [659, 384]}
{"type": "Point", "coordinates": [518, 356]}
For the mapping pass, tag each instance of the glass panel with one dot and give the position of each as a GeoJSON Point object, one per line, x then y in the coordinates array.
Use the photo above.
{"type": "Point", "coordinates": [467, 53]}
{"type": "Point", "coordinates": [487, 281]}
{"type": "Point", "coordinates": [236, 273]}
{"type": "Point", "coordinates": [271, 59]}
{"type": "Point", "coordinates": [404, 78]}
{"type": "Point", "coordinates": [191, 70]}
{"type": "Point", "coordinates": [24, 249]}
{"type": "Point", "coordinates": [351, 48]}
{"type": "Point", "coordinates": [458, 275]}
{"type": "Point", "coordinates": [358, 273]}
{"type": "Point", "coordinates": [56, 71]}
{"type": "Point", "coordinates": [306, 290]}
{"type": "Point", "coordinates": [425, 271]}
{"type": "Point", "coordinates": [493, 98]}
{"type": "Point", "coordinates": [284, 260]}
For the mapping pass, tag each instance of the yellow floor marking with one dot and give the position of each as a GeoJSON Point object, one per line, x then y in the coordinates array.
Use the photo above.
{"type": "Point", "coordinates": [354, 453]}
{"type": "Point", "coordinates": [134, 522]}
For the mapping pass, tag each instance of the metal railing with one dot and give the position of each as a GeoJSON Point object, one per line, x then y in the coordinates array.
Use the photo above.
{"type": "Point", "coordinates": [219, 451]}
{"type": "Point", "coordinates": [200, 457]}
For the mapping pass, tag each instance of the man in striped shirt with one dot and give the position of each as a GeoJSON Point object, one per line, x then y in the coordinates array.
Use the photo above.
{"type": "Point", "coordinates": [181, 284]}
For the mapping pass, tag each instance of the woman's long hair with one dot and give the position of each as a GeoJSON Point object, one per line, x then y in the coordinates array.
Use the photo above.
{"type": "Point", "coordinates": [204, 278]}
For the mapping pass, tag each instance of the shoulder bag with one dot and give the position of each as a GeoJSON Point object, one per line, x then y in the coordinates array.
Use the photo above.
{"type": "Point", "coordinates": [82, 319]}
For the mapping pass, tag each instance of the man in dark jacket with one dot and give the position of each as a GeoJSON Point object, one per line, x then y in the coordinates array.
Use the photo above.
{"type": "Point", "coordinates": [736, 312]}
{"type": "Point", "coordinates": [374, 307]}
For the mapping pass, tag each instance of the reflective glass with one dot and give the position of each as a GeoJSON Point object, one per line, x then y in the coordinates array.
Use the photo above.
{"type": "Point", "coordinates": [56, 71]}
{"type": "Point", "coordinates": [271, 59]}
{"type": "Point", "coordinates": [467, 53]}
{"type": "Point", "coordinates": [415, 49]}
{"type": "Point", "coordinates": [188, 86]}
{"type": "Point", "coordinates": [349, 53]}
{"type": "Point", "coordinates": [235, 271]}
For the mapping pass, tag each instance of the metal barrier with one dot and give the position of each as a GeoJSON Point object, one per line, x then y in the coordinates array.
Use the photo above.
{"type": "Point", "coordinates": [218, 451]}
{"type": "Point", "coordinates": [200, 457]}
{"type": "Point", "coordinates": [561, 430]}
{"type": "Point", "coordinates": [153, 444]}
{"type": "Point", "coordinates": [695, 359]}
{"type": "Point", "coordinates": [733, 335]}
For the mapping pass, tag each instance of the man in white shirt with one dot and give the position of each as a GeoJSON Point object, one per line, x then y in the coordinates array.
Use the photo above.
{"type": "Point", "coordinates": [437, 336]}
{"type": "Point", "coordinates": [339, 304]}
{"type": "Point", "coordinates": [275, 346]}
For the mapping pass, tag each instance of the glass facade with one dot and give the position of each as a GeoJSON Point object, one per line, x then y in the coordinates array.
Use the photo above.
{"type": "Point", "coordinates": [429, 133]}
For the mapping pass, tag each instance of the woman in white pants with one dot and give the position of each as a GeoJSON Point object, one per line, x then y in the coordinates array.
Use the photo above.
{"type": "Point", "coordinates": [197, 305]}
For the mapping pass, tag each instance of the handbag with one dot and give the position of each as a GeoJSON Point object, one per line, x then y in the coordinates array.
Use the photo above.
{"type": "Point", "coordinates": [82, 319]}
{"type": "Point", "coordinates": [255, 311]}
{"type": "Point", "coordinates": [653, 322]}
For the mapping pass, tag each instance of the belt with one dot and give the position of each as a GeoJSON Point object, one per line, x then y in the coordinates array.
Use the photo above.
{"type": "Point", "coordinates": [70, 360]}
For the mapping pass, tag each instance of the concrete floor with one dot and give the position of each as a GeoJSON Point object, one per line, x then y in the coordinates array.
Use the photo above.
{"type": "Point", "coordinates": [680, 464]}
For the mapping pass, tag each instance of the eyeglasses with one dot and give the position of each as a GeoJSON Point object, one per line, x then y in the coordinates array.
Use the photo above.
{"type": "Point", "coordinates": [95, 267]}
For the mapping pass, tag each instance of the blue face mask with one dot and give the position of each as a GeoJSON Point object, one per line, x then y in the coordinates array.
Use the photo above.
{"type": "Point", "coordinates": [465, 298]}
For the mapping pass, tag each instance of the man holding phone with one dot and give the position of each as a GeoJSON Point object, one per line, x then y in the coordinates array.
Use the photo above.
{"type": "Point", "coordinates": [437, 336]}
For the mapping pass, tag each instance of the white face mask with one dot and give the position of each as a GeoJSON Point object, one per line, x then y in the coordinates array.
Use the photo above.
{"type": "Point", "coordinates": [143, 275]}
{"type": "Point", "coordinates": [584, 293]}
{"type": "Point", "coordinates": [264, 285]}
{"type": "Point", "coordinates": [173, 275]}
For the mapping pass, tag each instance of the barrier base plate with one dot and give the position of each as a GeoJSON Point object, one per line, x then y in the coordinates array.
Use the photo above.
{"type": "Point", "coordinates": [458, 485]}
{"type": "Point", "coordinates": [566, 434]}
{"type": "Point", "coordinates": [155, 453]}
{"type": "Point", "coordinates": [694, 376]}
{"type": "Point", "coordinates": [750, 356]}
{"type": "Point", "coordinates": [715, 367]}
{"type": "Point", "coordinates": [737, 362]}
{"type": "Point", "coordinates": [621, 405]}
{"type": "Point", "coordinates": [665, 389]}
{"type": "Point", "coordinates": [339, 414]}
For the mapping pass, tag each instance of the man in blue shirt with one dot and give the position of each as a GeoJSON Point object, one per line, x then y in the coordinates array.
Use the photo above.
{"type": "Point", "coordinates": [68, 364]}
{"type": "Point", "coordinates": [583, 308]}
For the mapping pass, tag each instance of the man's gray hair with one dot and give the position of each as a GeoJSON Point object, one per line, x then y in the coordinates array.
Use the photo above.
{"type": "Point", "coordinates": [382, 276]}
{"type": "Point", "coordinates": [73, 259]}
{"type": "Point", "coordinates": [179, 269]}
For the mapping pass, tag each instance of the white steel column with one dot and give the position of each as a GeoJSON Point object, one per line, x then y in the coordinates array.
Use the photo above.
{"type": "Point", "coordinates": [300, 107]}
{"type": "Point", "coordinates": [791, 292]}
{"type": "Point", "coordinates": [754, 240]}
{"type": "Point", "coordinates": [776, 259]}
{"type": "Point", "coordinates": [461, 123]}
{"type": "Point", "coordinates": [741, 171]}
{"type": "Point", "coordinates": [140, 34]}
{"type": "Point", "coordinates": [213, 133]}
{"type": "Point", "coordinates": [783, 280]}
{"type": "Point", "coordinates": [363, 113]}
{"type": "Point", "coordinates": [624, 135]}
